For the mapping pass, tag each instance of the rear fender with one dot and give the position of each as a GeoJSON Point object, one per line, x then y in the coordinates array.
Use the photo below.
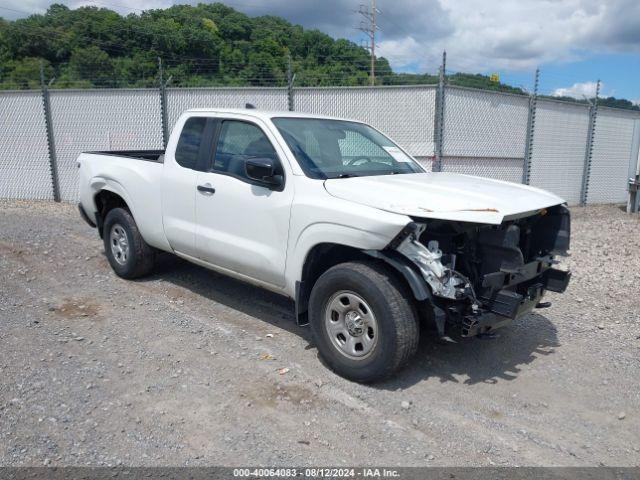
{"type": "Point", "coordinates": [99, 184]}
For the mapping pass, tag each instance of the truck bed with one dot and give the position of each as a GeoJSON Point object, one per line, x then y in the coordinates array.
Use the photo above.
{"type": "Point", "coordinates": [135, 175]}
{"type": "Point", "coordinates": [147, 155]}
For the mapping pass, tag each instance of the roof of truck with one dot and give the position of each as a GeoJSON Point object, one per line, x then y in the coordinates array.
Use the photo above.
{"type": "Point", "coordinates": [264, 114]}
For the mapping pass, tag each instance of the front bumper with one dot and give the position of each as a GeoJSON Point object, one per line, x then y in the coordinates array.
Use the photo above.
{"type": "Point", "coordinates": [506, 305]}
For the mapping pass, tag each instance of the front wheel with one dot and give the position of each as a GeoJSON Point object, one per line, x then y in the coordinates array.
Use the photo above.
{"type": "Point", "coordinates": [363, 320]}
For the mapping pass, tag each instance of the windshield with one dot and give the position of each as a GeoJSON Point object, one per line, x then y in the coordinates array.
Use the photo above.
{"type": "Point", "coordinates": [340, 149]}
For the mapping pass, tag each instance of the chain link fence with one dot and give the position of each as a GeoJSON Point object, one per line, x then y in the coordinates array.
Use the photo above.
{"type": "Point", "coordinates": [559, 148]}
{"type": "Point", "coordinates": [181, 99]}
{"type": "Point", "coordinates": [616, 135]}
{"type": "Point", "coordinates": [404, 113]}
{"type": "Point", "coordinates": [25, 171]}
{"type": "Point", "coordinates": [546, 143]}
{"type": "Point", "coordinates": [85, 120]}
{"type": "Point", "coordinates": [484, 133]}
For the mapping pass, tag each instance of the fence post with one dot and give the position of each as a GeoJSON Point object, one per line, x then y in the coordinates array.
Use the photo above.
{"type": "Point", "coordinates": [163, 104]}
{"type": "Point", "coordinates": [290, 79]}
{"type": "Point", "coordinates": [531, 123]}
{"type": "Point", "coordinates": [439, 117]}
{"type": "Point", "coordinates": [53, 161]}
{"type": "Point", "coordinates": [586, 171]}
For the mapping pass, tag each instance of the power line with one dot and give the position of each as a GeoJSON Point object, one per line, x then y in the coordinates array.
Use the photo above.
{"type": "Point", "coordinates": [16, 11]}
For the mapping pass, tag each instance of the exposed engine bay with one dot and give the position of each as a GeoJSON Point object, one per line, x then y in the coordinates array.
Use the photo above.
{"type": "Point", "coordinates": [483, 276]}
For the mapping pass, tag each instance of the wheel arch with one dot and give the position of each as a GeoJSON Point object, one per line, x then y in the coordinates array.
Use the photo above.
{"type": "Point", "coordinates": [325, 255]}
{"type": "Point", "coordinates": [105, 200]}
{"type": "Point", "coordinates": [318, 260]}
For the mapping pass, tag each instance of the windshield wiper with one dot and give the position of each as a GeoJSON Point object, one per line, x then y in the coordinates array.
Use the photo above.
{"type": "Point", "coordinates": [346, 175]}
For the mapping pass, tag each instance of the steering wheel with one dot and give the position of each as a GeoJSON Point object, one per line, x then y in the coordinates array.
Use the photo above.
{"type": "Point", "coordinates": [361, 159]}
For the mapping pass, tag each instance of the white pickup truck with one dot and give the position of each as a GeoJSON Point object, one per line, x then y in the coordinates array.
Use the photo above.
{"type": "Point", "coordinates": [333, 214]}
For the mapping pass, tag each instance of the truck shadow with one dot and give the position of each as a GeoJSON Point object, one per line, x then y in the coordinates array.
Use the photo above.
{"type": "Point", "coordinates": [480, 360]}
{"type": "Point", "coordinates": [470, 361]}
{"type": "Point", "coordinates": [256, 302]}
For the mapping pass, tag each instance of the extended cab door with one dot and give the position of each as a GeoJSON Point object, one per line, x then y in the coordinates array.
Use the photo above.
{"type": "Point", "coordinates": [243, 226]}
{"type": "Point", "coordinates": [188, 151]}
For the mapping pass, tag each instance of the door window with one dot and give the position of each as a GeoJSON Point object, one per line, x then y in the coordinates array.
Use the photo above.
{"type": "Point", "coordinates": [239, 141]}
{"type": "Point", "coordinates": [188, 149]}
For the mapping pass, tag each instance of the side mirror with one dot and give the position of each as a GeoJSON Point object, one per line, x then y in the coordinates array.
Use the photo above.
{"type": "Point", "coordinates": [262, 170]}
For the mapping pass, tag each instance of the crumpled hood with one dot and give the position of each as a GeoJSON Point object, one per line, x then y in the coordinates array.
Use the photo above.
{"type": "Point", "coordinates": [447, 196]}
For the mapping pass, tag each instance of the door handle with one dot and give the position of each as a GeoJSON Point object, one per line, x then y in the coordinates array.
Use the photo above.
{"type": "Point", "coordinates": [206, 189]}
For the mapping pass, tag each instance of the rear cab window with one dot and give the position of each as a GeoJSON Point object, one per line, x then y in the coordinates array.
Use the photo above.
{"type": "Point", "coordinates": [194, 144]}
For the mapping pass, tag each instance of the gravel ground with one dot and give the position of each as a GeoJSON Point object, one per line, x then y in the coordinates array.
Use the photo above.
{"type": "Point", "coordinates": [183, 368]}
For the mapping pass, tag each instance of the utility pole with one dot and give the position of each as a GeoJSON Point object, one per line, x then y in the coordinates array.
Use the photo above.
{"type": "Point", "coordinates": [373, 42]}
{"type": "Point", "coordinates": [369, 27]}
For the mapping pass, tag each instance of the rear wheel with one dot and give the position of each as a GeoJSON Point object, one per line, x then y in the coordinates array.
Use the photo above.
{"type": "Point", "coordinates": [128, 254]}
{"type": "Point", "coordinates": [363, 321]}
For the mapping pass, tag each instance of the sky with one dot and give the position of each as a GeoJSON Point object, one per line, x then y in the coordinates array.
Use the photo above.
{"type": "Point", "coordinates": [573, 42]}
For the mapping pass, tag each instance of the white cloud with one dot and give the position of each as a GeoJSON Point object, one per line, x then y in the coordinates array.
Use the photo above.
{"type": "Point", "coordinates": [401, 52]}
{"type": "Point", "coordinates": [577, 90]}
{"type": "Point", "coordinates": [520, 35]}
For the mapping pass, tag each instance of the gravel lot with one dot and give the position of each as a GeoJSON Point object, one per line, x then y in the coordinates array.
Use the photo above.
{"type": "Point", "coordinates": [182, 368]}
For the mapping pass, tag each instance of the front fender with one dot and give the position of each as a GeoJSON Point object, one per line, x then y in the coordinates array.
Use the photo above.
{"type": "Point", "coordinates": [325, 232]}
{"type": "Point", "coordinates": [403, 265]}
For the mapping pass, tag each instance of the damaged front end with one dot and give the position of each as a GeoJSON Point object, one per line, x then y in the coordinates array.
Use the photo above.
{"type": "Point", "coordinates": [481, 277]}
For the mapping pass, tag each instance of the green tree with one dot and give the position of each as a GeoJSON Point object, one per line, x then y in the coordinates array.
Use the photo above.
{"type": "Point", "coordinates": [93, 65]}
{"type": "Point", "coordinates": [25, 73]}
{"type": "Point", "coordinates": [206, 44]}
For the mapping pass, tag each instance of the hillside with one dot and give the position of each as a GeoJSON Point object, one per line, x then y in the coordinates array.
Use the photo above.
{"type": "Point", "coordinates": [209, 44]}
{"type": "Point", "coordinates": [203, 45]}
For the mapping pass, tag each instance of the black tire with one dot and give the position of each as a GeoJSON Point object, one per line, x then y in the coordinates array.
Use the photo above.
{"type": "Point", "coordinates": [392, 304]}
{"type": "Point", "coordinates": [140, 258]}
